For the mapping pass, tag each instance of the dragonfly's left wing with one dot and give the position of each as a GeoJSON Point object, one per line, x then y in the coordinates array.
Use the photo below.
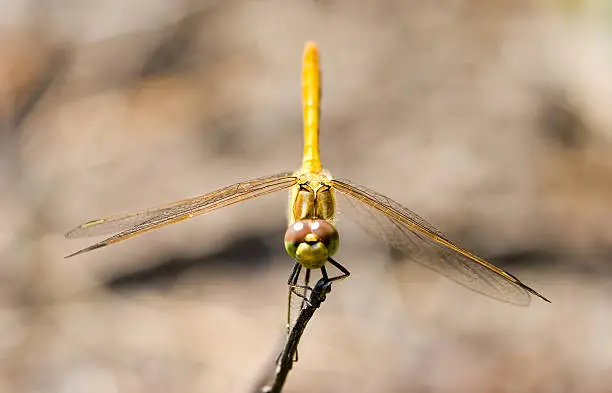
{"type": "Point", "coordinates": [133, 224]}
{"type": "Point", "coordinates": [421, 242]}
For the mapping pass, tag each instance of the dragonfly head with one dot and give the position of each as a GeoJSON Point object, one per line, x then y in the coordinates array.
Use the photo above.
{"type": "Point", "coordinates": [311, 242]}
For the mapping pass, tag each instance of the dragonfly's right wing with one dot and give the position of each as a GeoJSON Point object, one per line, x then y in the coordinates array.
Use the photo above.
{"type": "Point", "coordinates": [421, 242]}
{"type": "Point", "coordinates": [133, 224]}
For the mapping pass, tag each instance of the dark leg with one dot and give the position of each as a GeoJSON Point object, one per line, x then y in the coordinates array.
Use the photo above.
{"type": "Point", "coordinates": [306, 287]}
{"type": "Point", "coordinates": [343, 270]}
{"type": "Point", "coordinates": [307, 279]}
{"type": "Point", "coordinates": [293, 286]}
{"type": "Point", "coordinates": [294, 274]}
{"type": "Point", "coordinates": [293, 278]}
{"type": "Point", "coordinates": [307, 282]}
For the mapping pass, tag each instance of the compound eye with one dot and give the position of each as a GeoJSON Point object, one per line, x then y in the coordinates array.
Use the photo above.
{"type": "Point", "coordinates": [327, 234]}
{"type": "Point", "coordinates": [297, 232]}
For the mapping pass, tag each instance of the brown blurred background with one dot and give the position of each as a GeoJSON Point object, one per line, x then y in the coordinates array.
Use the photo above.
{"type": "Point", "coordinates": [490, 119]}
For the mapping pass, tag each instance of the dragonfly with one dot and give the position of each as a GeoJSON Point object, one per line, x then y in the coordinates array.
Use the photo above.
{"type": "Point", "coordinates": [311, 238]}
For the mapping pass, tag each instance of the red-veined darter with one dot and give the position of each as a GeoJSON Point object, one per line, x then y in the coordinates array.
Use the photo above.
{"type": "Point", "coordinates": [311, 238]}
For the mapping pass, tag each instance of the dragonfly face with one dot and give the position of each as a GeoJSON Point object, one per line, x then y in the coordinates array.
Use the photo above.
{"type": "Point", "coordinates": [311, 242]}
{"type": "Point", "coordinates": [311, 237]}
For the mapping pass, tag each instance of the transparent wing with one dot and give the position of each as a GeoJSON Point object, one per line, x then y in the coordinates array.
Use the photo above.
{"type": "Point", "coordinates": [421, 242]}
{"type": "Point", "coordinates": [133, 224]}
{"type": "Point", "coordinates": [297, 299]}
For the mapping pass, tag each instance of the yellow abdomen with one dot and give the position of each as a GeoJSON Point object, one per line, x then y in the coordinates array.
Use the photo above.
{"type": "Point", "coordinates": [311, 93]}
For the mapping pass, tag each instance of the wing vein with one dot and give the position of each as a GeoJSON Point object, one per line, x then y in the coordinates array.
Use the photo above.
{"type": "Point", "coordinates": [421, 242]}
{"type": "Point", "coordinates": [133, 224]}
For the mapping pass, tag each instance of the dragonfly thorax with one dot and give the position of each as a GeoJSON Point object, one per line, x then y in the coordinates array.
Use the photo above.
{"type": "Point", "coordinates": [312, 203]}
{"type": "Point", "coordinates": [311, 242]}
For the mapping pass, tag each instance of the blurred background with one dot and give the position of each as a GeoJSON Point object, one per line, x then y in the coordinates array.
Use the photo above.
{"type": "Point", "coordinates": [490, 119]}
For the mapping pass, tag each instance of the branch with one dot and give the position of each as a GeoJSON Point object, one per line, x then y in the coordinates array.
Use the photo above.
{"type": "Point", "coordinates": [285, 361]}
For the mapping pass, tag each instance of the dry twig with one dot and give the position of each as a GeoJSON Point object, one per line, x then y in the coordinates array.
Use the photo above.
{"type": "Point", "coordinates": [285, 360]}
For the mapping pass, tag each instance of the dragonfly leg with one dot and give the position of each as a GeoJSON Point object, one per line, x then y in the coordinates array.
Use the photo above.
{"type": "Point", "coordinates": [343, 270]}
{"type": "Point", "coordinates": [306, 286]}
{"type": "Point", "coordinates": [295, 274]}
{"type": "Point", "coordinates": [293, 290]}
{"type": "Point", "coordinates": [293, 285]}
{"type": "Point", "coordinates": [304, 296]}
{"type": "Point", "coordinates": [297, 268]}
{"type": "Point", "coordinates": [291, 282]}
